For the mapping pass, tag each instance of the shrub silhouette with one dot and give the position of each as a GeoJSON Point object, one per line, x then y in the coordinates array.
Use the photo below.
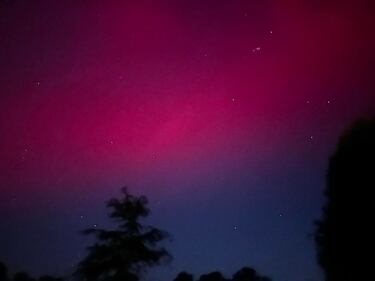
{"type": "Point", "coordinates": [123, 253]}
{"type": "Point", "coordinates": [248, 274]}
{"type": "Point", "coordinates": [23, 276]}
{"type": "Point", "coordinates": [244, 274]}
{"type": "Point", "coordinates": [184, 276]}
{"type": "Point", "coordinates": [213, 276]}
{"type": "Point", "coordinates": [345, 235]}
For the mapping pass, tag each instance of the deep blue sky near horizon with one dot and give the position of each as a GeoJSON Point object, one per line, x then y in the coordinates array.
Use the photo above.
{"type": "Point", "coordinates": [223, 113]}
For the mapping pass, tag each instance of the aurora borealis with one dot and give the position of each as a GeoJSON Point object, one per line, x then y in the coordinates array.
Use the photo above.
{"type": "Point", "coordinates": [223, 113]}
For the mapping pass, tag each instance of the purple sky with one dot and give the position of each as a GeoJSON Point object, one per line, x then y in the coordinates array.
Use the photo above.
{"type": "Point", "coordinates": [223, 113]}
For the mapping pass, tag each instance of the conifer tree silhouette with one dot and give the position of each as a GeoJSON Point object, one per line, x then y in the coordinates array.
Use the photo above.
{"type": "Point", "coordinates": [122, 254]}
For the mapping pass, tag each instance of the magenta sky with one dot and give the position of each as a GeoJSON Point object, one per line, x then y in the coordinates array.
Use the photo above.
{"type": "Point", "coordinates": [204, 106]}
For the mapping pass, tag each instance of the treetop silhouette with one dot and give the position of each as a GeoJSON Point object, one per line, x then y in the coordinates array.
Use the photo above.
{"type": "Point", "coordinates": [125, 252]}
{"type": "Point", "coordinates": [213, 276]}
{"type": "Point", "coordinates": [184, 276]}
{"type": "Point", "coordinates": [244, 274]}
{"type": "Point", "coordinates": [248, 274]}
{"type": "Point", "coordinates": [345, 236]}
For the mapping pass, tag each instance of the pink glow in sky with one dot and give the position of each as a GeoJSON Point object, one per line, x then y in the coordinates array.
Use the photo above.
{"type": "Point", "coordinates": [177, 97]}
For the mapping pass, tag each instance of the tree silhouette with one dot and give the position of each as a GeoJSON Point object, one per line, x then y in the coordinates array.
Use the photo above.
{"type": "Point", "coordinates": [3, 272]}
{"type": "Point", "coordinates": [184, 276]}
{"type": "Point", "coordinates": [244, 274]}
{"type": "Point", "coordinates": [23, 276]}
{"type": "Point", "coordinates": [345, 235]}
{"type": "Point", "coordinates": [248, 274]}
{"type": "Point", "coordinates": [123, 253]}
{"type": "Point", "coordinates": [213, 276]}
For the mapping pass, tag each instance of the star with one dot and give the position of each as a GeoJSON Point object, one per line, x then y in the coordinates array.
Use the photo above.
{"type": "Point", "coordinates": [257, 49]}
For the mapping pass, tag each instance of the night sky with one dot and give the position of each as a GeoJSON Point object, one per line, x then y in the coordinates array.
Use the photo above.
{"type": "Point", "coordinates": [223, 113]}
